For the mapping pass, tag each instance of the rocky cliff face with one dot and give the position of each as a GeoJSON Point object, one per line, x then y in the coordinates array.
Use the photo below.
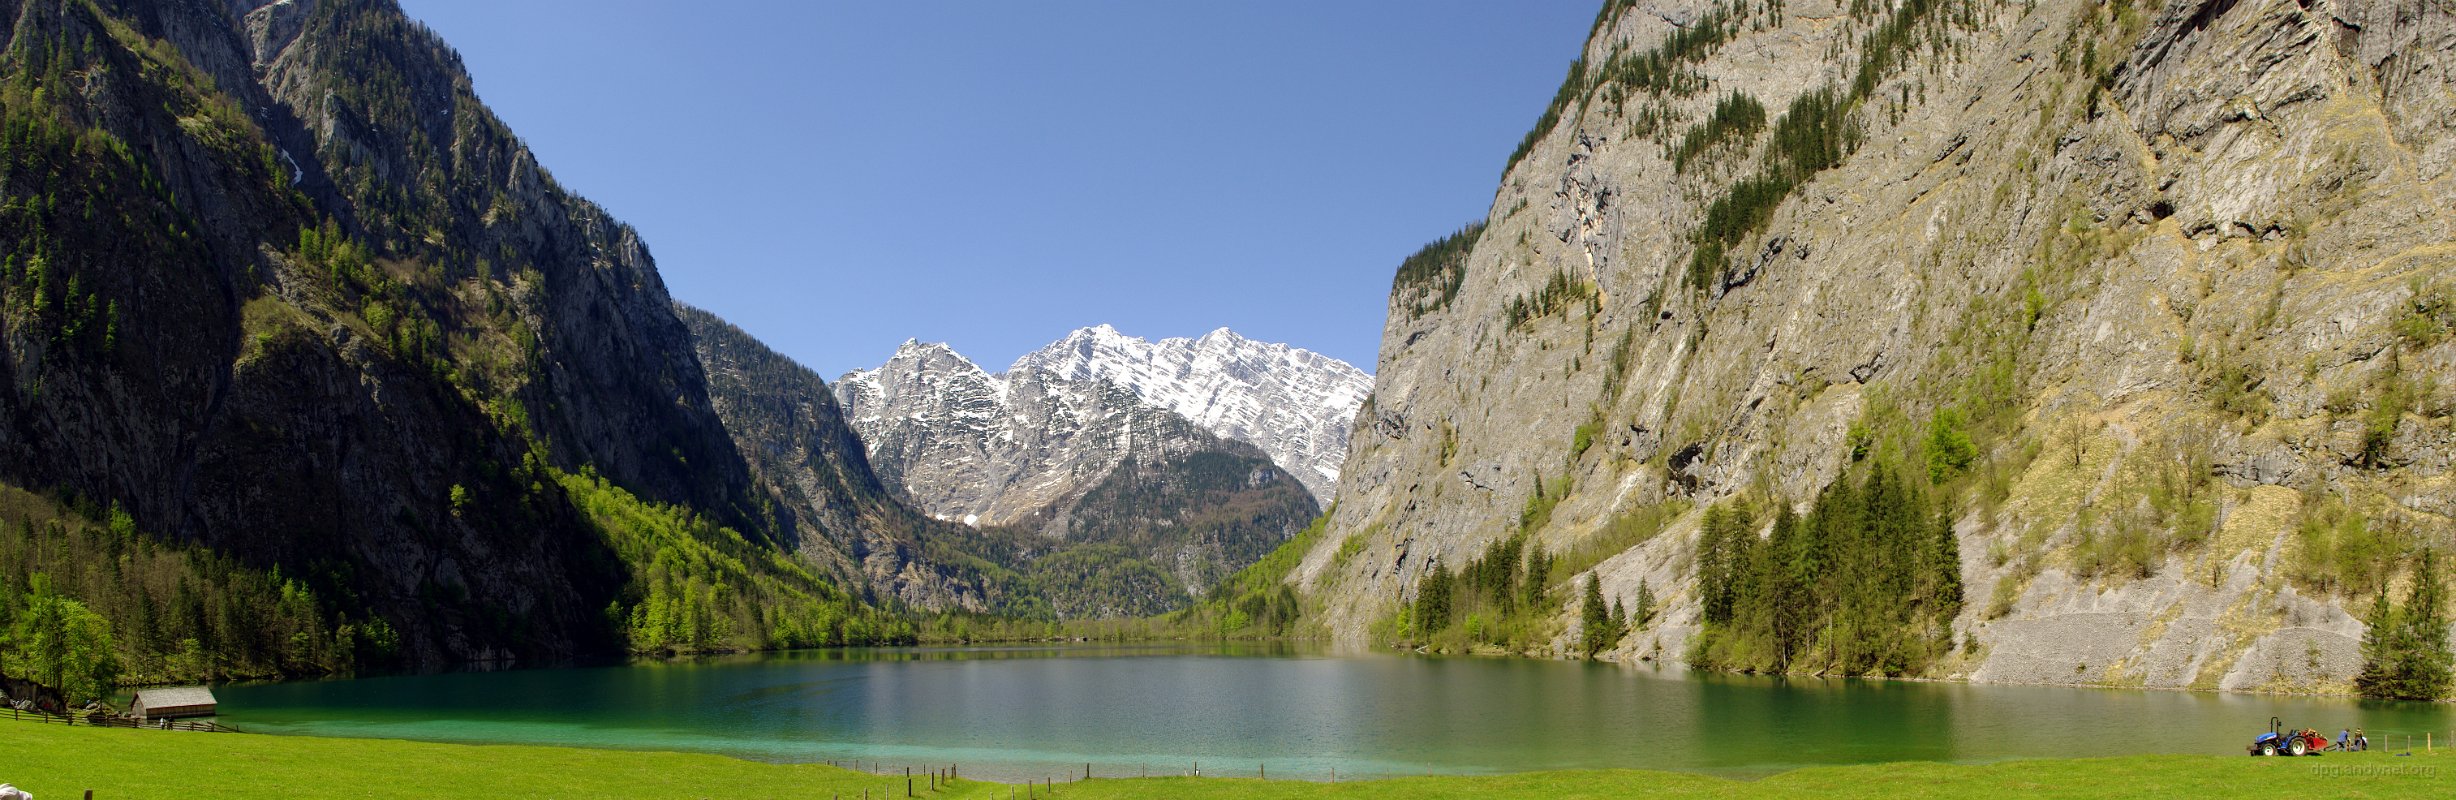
{"type": "Point", "coordinates": [305, 303]}
{"type": "Point", "coordinates": [2179, 271]}
{"type": "Point", "coordinates": [617, 385]}
{"type": "Point", "coordinates": [833, 509]}
{"type": "Point", "coordinates": [1294, 404]}
{"type": "Point", "coordinates": [1070, 462]}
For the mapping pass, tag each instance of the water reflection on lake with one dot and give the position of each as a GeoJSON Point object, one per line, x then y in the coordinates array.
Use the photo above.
{"type": "Point", "coordinates": [1034, 711]}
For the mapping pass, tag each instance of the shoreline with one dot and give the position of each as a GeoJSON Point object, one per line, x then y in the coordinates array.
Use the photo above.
{"type": "Point", "coordinates": [1325, 643]}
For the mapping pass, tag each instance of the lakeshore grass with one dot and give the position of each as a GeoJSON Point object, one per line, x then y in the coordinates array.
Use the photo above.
{"type": "Point", "coordinates": [57, 762]}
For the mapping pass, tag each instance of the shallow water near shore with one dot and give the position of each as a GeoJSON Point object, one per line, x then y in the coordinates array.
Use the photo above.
{"type": "Point", "coordinates": [1032, 712]}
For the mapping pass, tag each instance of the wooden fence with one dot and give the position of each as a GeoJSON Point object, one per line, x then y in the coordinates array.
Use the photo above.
{"type": "Point", "coordinates": [108, 721]}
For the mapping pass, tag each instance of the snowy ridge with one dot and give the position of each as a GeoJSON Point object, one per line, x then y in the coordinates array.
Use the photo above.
{"type": "Point", "coordinates": [961, 442]}
{"type": "Point", "coordinates": [1294, 404]}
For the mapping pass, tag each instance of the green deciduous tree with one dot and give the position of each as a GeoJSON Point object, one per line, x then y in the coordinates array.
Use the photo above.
{"type": "Point", "coordinates": [1949, 449]}
{"type": "Point", "coordinates": [59, 643]}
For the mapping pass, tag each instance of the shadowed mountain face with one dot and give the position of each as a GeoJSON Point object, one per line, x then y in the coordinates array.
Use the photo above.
{"type": "Point", "coordinates": [288, 308]}
{"type": "Point", "coordinates": [841, 518]}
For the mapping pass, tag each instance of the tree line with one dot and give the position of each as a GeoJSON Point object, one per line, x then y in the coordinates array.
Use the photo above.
{"type": "Point", "coordinates": [86, 604]}
{"type": "Point", "coordinates": [1867, 582]}
{"type": "Point", "coordinates": [1501, 597]}
{"type": "Point", "coordinates": [1430, 279]}
{"type": "Point", "coordinates": [697, 586]}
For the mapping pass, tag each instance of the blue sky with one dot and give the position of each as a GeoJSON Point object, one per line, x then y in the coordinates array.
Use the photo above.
{"type": "Point", "coordinates": [837, 177]}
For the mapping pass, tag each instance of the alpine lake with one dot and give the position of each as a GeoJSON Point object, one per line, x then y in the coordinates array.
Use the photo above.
{"type": "Point", "coordinates": [1051, 711]}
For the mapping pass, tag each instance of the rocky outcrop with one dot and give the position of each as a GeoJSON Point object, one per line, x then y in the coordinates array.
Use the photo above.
{"type": "Point", "coordinates": [2182, 266]}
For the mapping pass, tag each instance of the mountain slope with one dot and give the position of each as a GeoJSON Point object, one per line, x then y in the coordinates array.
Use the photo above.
{"type": "Point", "coordinates": [290, 310]}
{"type": "Point", "coordinates": [2151, 297]}
{"type": "Point", "coordinates": [1294, 404]}
{"type": "Point", "coordinates": [785, 422]}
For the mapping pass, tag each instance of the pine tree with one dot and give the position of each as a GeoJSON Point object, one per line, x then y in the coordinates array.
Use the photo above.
{"type": "Point", "coordinates": [1789, 570]}
{"type": "Point", "coordinates": [1538, 572]}
{"type": "Point", "coordinates": [1725, 545]}
{"type": "Point", "coordinates": [1643, 612]}
{"type": "Point", "coordinates": [2426, 663]}
{"type": "Point", "coordinates": [2405, 652]}
{"type": "Point", "coordinates": [2379, 649]}
{"type": "Point", "coordinates": [1433, 600]}
{"type": "Point", "coordinates": [1868, 582]}
{"type": "Point", "coordinates": [1595, 619]}
{"type": "Point", "coordinates": [1714, 567]}
{"type": "Point", "coordinates": [1945, 559]}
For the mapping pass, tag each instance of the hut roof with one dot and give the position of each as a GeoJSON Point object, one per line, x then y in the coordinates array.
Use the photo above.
{"type": "Point", "coordinates": [175, 697]}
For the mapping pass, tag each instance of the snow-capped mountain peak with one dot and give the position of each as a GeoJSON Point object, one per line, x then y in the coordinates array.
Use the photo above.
{"type": "Point", "coordinates": [1294, 404]}
{"type": "Point", "coordinates": [929, 373]}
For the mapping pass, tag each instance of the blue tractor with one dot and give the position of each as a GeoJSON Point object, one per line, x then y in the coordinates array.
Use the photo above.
{"type": "Point", "coordinates": [2281, 742]}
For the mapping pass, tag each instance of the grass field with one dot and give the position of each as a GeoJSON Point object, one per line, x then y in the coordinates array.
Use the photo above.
{"type": "Point", "coordinates": [60, 763]}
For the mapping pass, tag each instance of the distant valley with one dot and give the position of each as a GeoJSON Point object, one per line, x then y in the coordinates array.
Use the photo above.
{"type": "Point", "coordinates": [1178, 451]}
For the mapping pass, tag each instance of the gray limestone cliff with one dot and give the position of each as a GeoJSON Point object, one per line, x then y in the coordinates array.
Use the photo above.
{"type": "Point", "coordinates": [2184, 268]}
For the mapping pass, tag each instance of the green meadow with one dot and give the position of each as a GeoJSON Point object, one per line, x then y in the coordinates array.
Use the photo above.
{"type": "Point", "coordinates": [58, 762]}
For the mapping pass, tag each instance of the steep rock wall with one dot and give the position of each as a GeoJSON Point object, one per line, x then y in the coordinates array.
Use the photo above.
{"type": "Point", "coordinates": [2168, 242]}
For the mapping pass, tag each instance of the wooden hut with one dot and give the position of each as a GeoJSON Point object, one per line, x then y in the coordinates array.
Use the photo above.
{"type": "Point", "coordinates": [175, 703]}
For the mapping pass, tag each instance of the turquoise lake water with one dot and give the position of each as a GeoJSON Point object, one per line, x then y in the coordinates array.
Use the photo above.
{"type": "Point", "coordinates": [1044, 711]}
